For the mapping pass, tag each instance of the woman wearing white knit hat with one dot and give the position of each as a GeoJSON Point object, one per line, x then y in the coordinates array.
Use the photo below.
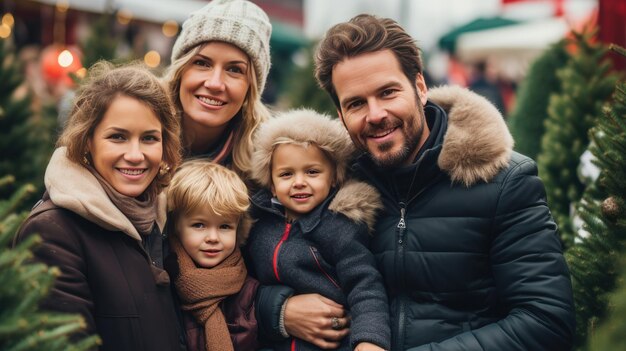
{"type": "Point", "coordinates": [220, 63]}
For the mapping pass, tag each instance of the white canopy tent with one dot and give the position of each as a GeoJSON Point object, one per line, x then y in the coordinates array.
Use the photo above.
{"type": "Point", "coordinates": [512, 48]}
{"type": "Point", "coordinates": [157, 11]}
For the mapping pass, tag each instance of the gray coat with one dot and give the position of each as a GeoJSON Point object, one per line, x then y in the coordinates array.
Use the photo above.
{"type": "Point", "coordinates": [326, 252]}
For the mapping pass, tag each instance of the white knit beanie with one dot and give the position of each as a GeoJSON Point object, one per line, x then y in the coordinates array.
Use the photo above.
{"type": "Point", "coordinates": [238, 22]}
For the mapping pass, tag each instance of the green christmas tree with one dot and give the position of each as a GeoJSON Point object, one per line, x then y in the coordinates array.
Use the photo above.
{"type": "Point", "coordinates": [26, 138]}
{"type": "Point", "coordinates": [611, 334]}
{"type": "Point", "coordinates": [101, 43]}
{"type": "Point", "coordinates": [586, 85]}
{"type": "Point", "coordinates": [526, 122]}
{"type": "Point", "coordinates": [303, 90]}
{"type": "Point", "coordinates": [22, 325]}
{"type": "Point", "coordinates": [595, 260]}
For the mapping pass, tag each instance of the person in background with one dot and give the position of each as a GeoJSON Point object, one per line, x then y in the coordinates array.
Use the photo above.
{"type": "Point", "coordinates": [103, 213]}
{"type": "Point", "coordinates": [312, 227]}
{"type": "Point", "coordinates": [220, 63]}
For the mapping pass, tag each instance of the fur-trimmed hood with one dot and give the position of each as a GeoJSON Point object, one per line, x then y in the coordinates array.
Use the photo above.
{"type": "Point", "coordinates": [477, 144]}
{"type": "Point", "coordinates": [358, 201]}
{"type": "Point", "coordinates": [73, 187]}
{"type": "Point", "coordinates": [302, 126]}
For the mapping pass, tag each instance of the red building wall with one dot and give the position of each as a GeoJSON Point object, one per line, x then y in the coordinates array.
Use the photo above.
{"type": "Point", "coordinates": [612, 27]}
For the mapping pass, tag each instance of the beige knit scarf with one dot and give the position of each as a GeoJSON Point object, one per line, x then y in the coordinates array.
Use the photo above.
{"type": "Point", "coordinates": [202, 289]}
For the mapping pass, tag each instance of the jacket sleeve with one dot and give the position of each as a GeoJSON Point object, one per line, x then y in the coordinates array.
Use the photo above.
{"type": "Point", "coordinates": [531, 276]}
{"type": "Point", "coordinates": [60, 248]}
{"type": "Point", "coordinates": [269, 301]}
{"type": "Point", "coordinates": [347, 248]}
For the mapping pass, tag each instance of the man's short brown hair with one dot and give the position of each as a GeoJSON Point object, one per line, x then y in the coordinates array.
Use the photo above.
{"type": "Point", "coordinates": [365, 34]}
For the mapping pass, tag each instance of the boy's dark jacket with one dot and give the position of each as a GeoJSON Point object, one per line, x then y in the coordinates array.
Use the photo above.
{"type": "Point", "coordinates": [325, 252]}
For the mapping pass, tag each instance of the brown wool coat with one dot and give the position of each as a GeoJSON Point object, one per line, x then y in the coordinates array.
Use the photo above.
{"type": "Point", "coordinates": [106, 274]}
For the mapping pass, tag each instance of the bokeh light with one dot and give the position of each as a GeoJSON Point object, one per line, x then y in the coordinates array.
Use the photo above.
{"type": "Point", "coordinates": [81, 73]}
{"type": "Point", "coordinates": [5, 31]}
{"type": "Point", "coordinates": [8, 19]}
{"type": "Point", "coordinates": [66, 58]}
{"type": "Point", "coordinates": [63, 5]}
{"type": "Point", "coordinates": [170, 28]}
{"type": "Point", "coordinates": [152, 58]}
{"type": "Point", "coordinates": [124, 16]}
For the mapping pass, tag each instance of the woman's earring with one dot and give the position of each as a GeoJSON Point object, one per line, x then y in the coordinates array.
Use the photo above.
{"type": "Point", "coordinates": [164, 168]}
{"type": "Point", "coordinates": [86, 159]}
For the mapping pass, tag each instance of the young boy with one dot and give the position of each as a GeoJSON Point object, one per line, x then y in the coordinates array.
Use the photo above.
{"type": "Point", "coordinates": [311, 229]}
{"type": "Point", "coordinates": [207, 204]}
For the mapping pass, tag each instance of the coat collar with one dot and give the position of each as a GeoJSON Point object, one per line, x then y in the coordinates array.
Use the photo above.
{"type": "Point", "coordinates": [477, 144]}
{"type": "Point", "coordinates": [73, 187]}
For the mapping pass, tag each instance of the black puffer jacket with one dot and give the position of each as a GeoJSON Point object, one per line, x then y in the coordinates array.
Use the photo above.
{"type": "Point", "coordinates": [466, 244]}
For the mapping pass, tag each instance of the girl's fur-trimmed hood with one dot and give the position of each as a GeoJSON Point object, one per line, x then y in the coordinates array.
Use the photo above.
{"type": "Point", "coordinates": [477, 144]}
{"type": "Point", "coordinates": [302, 126]}
{"type": "Point", "coordinates": [358, 201]}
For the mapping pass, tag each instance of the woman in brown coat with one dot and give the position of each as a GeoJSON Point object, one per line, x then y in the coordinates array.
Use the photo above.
{"type": "Point", "coordinates": [103, 212]}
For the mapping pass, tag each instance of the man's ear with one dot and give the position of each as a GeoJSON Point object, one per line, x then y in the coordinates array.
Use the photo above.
{"type": "Point", "coordinates": [421, 88]}
{"type": "Point", "coordinates": [340, 116]}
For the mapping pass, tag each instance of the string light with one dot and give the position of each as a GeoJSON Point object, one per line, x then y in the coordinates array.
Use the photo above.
{"type": "Point", "coordinates": [63, 5]}
{"type": "Point", "coordinates": [8, 19]}
{"type": "Point", "coordinates": [65, 58]}
{"type": "Point", "coordinates": [124, 16]}
{"type": "Point", "coordinates": [5, 31]}
{"type": "Point", "coordinates": [170, 28]}
{"type": "Point", "coordinates": [152, 58]}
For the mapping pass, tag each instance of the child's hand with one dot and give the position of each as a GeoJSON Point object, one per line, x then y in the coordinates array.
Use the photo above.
{"type": "Point", "coordinates": [366, 346]}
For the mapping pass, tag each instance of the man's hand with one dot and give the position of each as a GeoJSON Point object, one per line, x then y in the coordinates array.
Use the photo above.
{"type": "Point", "coordinates": [310, 317]}
{"type": "Point", "coordinates": [366, 346]}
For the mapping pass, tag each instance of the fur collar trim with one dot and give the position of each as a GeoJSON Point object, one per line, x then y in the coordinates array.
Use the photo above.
{"type": "Point", "coordinates": [477, 144]}
{"type": "Point", "coordinates": [303, 126]}
{"type": "Point", "coordinates": [358, 201]}
{"type": "Point", "coordinates": [73, 187]}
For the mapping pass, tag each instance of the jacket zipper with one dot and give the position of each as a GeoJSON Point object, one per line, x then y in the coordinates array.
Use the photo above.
{"type": "Point", "coordinates": [319, 266]}
{"type": "Point", "coordinates": [277, 249]}
{"type": "Point", "coordinates": [401, 229]}
{"type": "Point", "coordinates": [399, 265]}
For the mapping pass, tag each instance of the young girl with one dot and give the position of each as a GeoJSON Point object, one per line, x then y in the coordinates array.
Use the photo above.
{"type": "Point", "coordinates": [312, 227]}
{"type": "Point", "coordinates": [207, 204]}
{"type": "Point", "coordinates": [103, 213]}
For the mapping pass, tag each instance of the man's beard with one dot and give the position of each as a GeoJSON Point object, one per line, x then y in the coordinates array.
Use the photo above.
{"type": "Point", "coordinates": [411, 143]}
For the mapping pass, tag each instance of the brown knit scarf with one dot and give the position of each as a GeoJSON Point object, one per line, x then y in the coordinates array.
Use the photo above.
{"type": "Point", "coordinates": [142, 213]}
{"type": "Point", "coordinates": [202, 289]}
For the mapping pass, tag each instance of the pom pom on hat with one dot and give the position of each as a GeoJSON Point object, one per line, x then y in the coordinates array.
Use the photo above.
{"type": "Point", "coordinates": [237, 22]}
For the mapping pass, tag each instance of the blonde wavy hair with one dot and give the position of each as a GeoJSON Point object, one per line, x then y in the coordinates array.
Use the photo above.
{"type": "Point", "coordinates": [253, 111]}
{"type": "Point", "coordinates": [200, 184]}
{"type": "Point", "coordinates": [104, 83]}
